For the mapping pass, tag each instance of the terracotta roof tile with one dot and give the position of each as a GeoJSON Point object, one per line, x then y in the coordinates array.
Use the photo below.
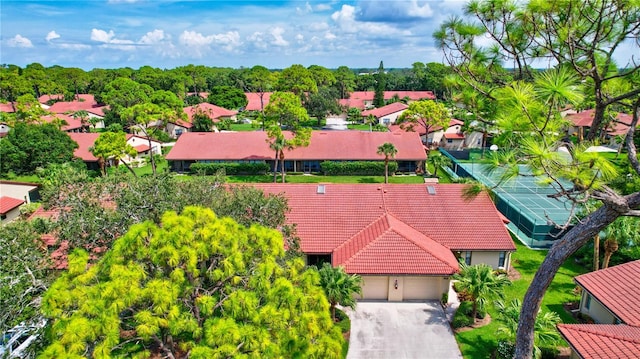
{"type": "Point", "coordinates": [389, 246]}
{"type": "Point", "coordinates": [386, 110]}
{"type": "Point", "coordinates": [84, 141]}
{"type": "Point", "coordinates": [213, 111]}
{"type": "Point", "coordinates": [9, 203]}
{"type": "Point", "coordinates": [254, 103]}
{"type": "Point", "coordinates": [616, 287]}
{"type": "Point", "coordinates": [324, 145]}
{"type": "Point", "coordinates": [326, 221]}
{"type": "Point", "coordinates": [72, 123]}
{"type": "Point", "coordinates": [602, 341]}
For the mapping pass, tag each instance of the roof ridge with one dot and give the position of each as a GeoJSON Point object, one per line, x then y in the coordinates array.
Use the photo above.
{"type": "Point", "coordinates": [421, 245]}
{"type": "Point", "coordinates": [587, 328]}
{"type": "Point", "coordinates": [360, 233]}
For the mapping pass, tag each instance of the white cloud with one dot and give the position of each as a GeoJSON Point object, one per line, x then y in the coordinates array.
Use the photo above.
{"type": "Point", "coordinates": [52, 35]}
{"type": "Point", "coordinates": [299, 38]}
{"type": "Point", "coordinates": [278, 40]}
{"type": "Point", "coordinates": [153, 37]}
{"type": "Point", "coordinates": [101, 35]}
{"type": "Point", "coordinates": [19, 41]}
{"type": "Point", "coordinates": [329, 36]}
{"type": "Point", "coordinates": [197, 42]}
{"type": "Point", "coordinates": [345, 18]}
{"type": "Point", "coordinates": [323, 7]}
{"type": "Point", "coordinates": [257, 39]}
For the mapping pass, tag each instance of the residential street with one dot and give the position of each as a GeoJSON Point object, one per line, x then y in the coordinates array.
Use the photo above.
{"type": "Point", "coordinates": [401, 330]}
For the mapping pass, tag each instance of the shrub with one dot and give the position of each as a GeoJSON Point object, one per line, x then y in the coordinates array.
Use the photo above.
{"type": "Point", "coordinates": [444, 299]}
{"type": "Point", "coordinates": [466, 308]}
{"type": "Point", "coordinates": [505, 350]}
{"type": "Point", "coordinates": [461, 319]}
{"type": "Point", "coordinates": [230, 168]}
{"type": "Point", "coordinates": [357, 168]}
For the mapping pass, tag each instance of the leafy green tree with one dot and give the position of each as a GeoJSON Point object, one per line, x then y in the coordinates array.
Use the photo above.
{"type": "Point", "coordinates": [481, 283]}
{"type": "Point", "coordinates": [296, 79]}
{"type": "Point", "coordinates": [425, 114]}
{"type": "Point", "coordinates": [24, 274]}
{"type": "Point", "coordinates": [322, 103]}
{"type": "Point", "coordinates": [381, 86]}
{"type": "Point", "coordinates": [339, 287]}
{"type": "Point", "coordinates": [354, 114]}
{"type": "Point", "coordinates": [202, 122]}
{"type": "Point", "coordinates": [285, 108]}
{"type": "Point", "coordinates": [28, 110]}
{"type": "Point", "coordinates": [83, 116]}
{"type": "Point", "coordinates": [345, 81]}
{"type": "Point", "coordinates": [260, 80]}
{"type": "Point", "coordinates": [322, 76]}
{"type": "Point", "coordinates": [437, 162]}
{"type": "Point", "coordinates": [388, 150]}
{"type": "Point", "coordinates": [197, 286]}
{"type": "Point", "coordinates": [301, 136]}
{"type": "Point", "coordinates": [112, 146]}
{"type": "Point", "coordinates": [231, 98]}
{"type": "Point", "coordinates": [29, 146]}
{"type": "Point", "coordinates": [123, 93]}
{"type": "Point", "coordinates": [13, 85]}
{"type": "Point", "coordinates": [545, 332]}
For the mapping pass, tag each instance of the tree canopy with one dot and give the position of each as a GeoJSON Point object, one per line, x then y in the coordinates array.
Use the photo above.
{"type": "Point", "coordinates": [231, 98]}
{"type": "Point", "coordinates": [195, 286]}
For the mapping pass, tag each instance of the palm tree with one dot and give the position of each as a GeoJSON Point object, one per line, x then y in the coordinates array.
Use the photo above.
{"type": "Point", "coordinates": [481, 284]}
{"type": "Point", "coordinates": [545, 332]}
{"type": "Point", "coordinates": [437, 162]}
{"type": "Point", "coordinates": [278, 145]}
{"type": "Point", "coordinates": [389, 151]}
{"type": "Point", "coordinates": [339, 287]}
{"type": "Point", "coordinates": [83, 116]}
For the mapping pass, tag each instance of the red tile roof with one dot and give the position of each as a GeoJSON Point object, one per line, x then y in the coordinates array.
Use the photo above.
{"type": "Point", "coordinates": [357, 98]}
{"type": "Point", "coordinates": [324, 145]}
{"type": "Point", "coordinates": [84, 141]}
{"type": "Point", "coordinates": [6, 107]}
{"type": "Point", "coordinates": [326, 221]}
{"type": "Point", "coordinates": [86, 102]}
{"type": "Point", "coordinates": [385, 110]}
{"type": "Point", "coordinates": [254, 100]}
{"type": "Point", "coordinates": [390, 246]}
{"type": "Point", "coordinates": [454, 135]}
{"type": "Point", "coordinates": [602, 341]}
{"type": "Point", "coordinates": [8, 204]}
{"type": "Point", "coordinates": [213, 111]}
{"type": "Point", "coordinates": [72, 123]}
{"type": "Point", "coordinates": [585, 119]}
{"type": "Point", "coordinates": [616, 287]}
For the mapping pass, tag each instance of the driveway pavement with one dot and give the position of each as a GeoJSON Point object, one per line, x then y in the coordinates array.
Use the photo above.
{"type": "Point", "coordinates": [401, 330]}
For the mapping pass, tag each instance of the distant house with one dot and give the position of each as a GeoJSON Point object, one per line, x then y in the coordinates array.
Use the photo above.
{"type": "Point", "coordinates": [9, 208]}
{"type": "Point", "coordinates": [257, 101]}
{"type": "Point", "coordinates": [386, 115]}
{"type": "Point", "coordinates": [85, 102]}
{"type": "Point", "coordinates": [324, 146]}
{"type": "Point", "coordinates": [452, 137]}
{"type": "Point", "coordinates": [404, 240]}
{"type": "Point", "coordinates": [216, 113]}
{"type": "Point", "coordinates": [363, 100]}
{"type": "Point", "coordinates": [86, 140]}
{"type": "Point", "coordinates": [610, 297]}
{"type": "Point", "coordinates": [581, 121]}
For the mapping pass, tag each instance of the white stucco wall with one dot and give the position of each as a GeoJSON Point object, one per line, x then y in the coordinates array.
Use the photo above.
{"type": "Point", "coordinates": [596, 310]}
{"type": "Point", "coordinates": [489, 257]}
{"type": "Point", "coordinates": [19, 191]}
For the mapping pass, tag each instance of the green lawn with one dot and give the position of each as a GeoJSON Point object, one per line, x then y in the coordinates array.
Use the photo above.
{"type": "Point", "coordinates": [481, 342]}
{"type": "Point", "coordinates": [243, 127]}
{"type": "Point", "coordinates": [147, 170]}
{"type": "Point", "coordinates": [23, 178]}
{"type": "Point", "coordinates": [324, 179]}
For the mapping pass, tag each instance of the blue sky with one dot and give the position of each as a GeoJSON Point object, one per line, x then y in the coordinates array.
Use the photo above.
{"type": "Point", "coordinates": [166, 34]}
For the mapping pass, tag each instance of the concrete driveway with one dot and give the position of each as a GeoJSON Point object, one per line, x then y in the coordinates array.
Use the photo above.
{"type": "Point", "coordinates": [401, 330]}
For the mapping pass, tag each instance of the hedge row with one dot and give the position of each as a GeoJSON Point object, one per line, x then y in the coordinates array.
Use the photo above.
{"type": "Point", "coordinates": [230, 168]}
{"type": "Point", "coordinates": [357, 168]}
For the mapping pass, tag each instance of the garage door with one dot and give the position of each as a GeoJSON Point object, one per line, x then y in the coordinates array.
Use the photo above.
{"type": "Point", "coordinates": [375, 287]}
{"type": "Point", "coordinates": [419, 288]}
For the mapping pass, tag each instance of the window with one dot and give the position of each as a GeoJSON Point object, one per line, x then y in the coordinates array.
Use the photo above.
{"type": "Point", "coordinates": [501, 259]}
{"type": "Point", "coordinates": [467, 258]}
{"type": "Point", "coordinates": [587, 301]}
{"type": "Point", "coordinates": [449, 140]}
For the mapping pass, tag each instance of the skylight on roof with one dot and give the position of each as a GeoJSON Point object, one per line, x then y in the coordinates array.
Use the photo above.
{"type": "Point", "coordinates": [431, 190]}
{"type": "Point", "coordinates": [321, 189]}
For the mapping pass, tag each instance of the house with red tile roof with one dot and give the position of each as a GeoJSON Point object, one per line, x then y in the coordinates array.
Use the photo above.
{"type": "Point", "coordinates": [386, 115]}
{"type": "Point", "coordinates": [84, 102]}
{"type": "Point", "coordinates": [9, 208]}
{"type": "Point", "coordinates": [86, 140]}
{"type": "Point", "coordinates": [452, 137]}
{"type": "Point", "coordinates": [610, 297]}
{"type": "Point", "coordinates": [324, 146]}
{"type": "Point", "coordinates": [583, 119]}
{"type": "Point", "coordinates": [404, 240]}
{"type": "Point", "coordinates": [257, 100]}
{"type": "Point", "coordinates": [215, 113]}
{"type": "Point", "coordinates": [364, 99]}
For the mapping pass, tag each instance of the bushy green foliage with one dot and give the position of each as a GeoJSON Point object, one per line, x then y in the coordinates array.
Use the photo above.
{"type": "Point", "coordinates": [356, 168]}
{"type": "Point", "coordinates": [198, 285]}
{"type": "Point", "coordinates": [29, 146]}
{"type": "Point", "coordinates": [230, 168]}
{"type": "Point", "coordinates": [461, 319]}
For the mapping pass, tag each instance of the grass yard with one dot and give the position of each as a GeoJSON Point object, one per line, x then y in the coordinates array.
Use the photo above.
{"type": "Point", "coordinates": [161, 166]}
{"type": "Point", "coordinates": [324, 179]}
{"type": "Point", "coordinates": [244, 127]}
{"type": "Point", "coordinates": [481, 342]}
{"type": "Point", "coordinates": [23, 178]}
